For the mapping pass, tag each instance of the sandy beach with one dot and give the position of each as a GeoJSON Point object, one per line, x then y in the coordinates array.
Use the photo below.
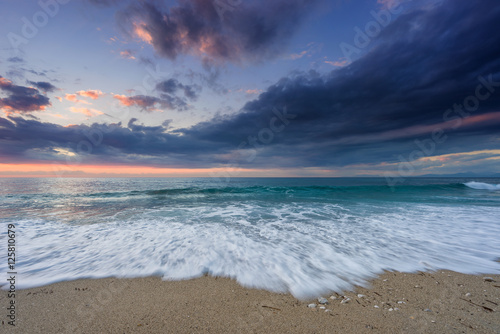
{"type": "Point", "coordinates": [436, 302]}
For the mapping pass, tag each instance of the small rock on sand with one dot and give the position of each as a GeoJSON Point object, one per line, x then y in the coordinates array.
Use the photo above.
{"type": "Point", "coordinates": [322, 300]}
{"type": "Point", "coordinates": [488, 279]}
{"type": "Point", "coordinates": [311, 305]}
{"type": "Point", "coordinates": [361, 296]}
{"type": "Point", "coordinates": [346, 300]}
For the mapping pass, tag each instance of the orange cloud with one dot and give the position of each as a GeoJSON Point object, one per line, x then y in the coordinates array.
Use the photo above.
{"type": "Point", "coordinates": [5, 82]}
{"type": "Point", "coordinates": [86, 111]}
{"type": "Point", "coordinates": [138, 100]}
{"type": "Point", "coordinates": [93, 94]}
{"type": "Point", "coordinates": [57, 115]}
{"type": "Point", "coordinates": [9, 111]}
{"type": "Point", "coordinates": [126, 101]}
{"type": "Point", "coordinates": [127, 54]}
{"type": "Point", "coordinates": [74, 98]}
{"type": "Point", "coordinates": [141, 32]}
{"type": "Point", "coordinates": [59, 98]}
{"type": "Point", "coordinates": [448, 157]}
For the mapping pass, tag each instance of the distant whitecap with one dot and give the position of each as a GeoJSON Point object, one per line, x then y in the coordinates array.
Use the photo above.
{"type": "Point", "coordinates": [482, 185]}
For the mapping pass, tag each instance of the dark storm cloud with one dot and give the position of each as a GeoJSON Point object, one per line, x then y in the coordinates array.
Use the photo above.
{"type": "Point", "coordinates": [20, 98]}
{"type": "Point", "coordinates": [43, 85]}
{"type": "Point", "coordinates": [104, 3]}
{"type": "Point", "coordinates": [371, 111]}
{"type": "Point", "coordinates": [15, 60]}
{"type": "Point", "coordinates": [32, 140]}
{"type": "Point", "coordinates": [172, 86]}
{"type": "Point", "coordinates": [141, 128]}
{"type": "Point", "coordinates": [425, 62]}
{"type": "Point", "coordinates": [223, 30]}
{"type": "Point", "coordinates": [167, 98]}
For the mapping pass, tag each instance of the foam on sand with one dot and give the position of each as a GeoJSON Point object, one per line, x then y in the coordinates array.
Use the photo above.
{"type": "Point", "coordinates": [304, 250]}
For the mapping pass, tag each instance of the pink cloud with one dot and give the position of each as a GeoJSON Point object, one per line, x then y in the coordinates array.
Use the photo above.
{"type": "Point", "coordinates": [5, 82]}
{"type": "Point", "coordinates": [146, 102]}
{"type": "Point", "coordinates": [127, 54]}
{"type": "Point", "coordinates": [253, 91]}
{"type": "Point", "coordinates": [93, 94]}
{"type": "Point", "coordinates": [125, 100]}
{"type": "Point", "coordinates": [140, 30]}
{"type": "Point", "coordinates": [338, 63]}
{"type": "Point", "coordinates": [86, 111]}
{"type": "Point", "coordinates": [295, 56]}
{"type": "Point", "coordinates": [74, 98]}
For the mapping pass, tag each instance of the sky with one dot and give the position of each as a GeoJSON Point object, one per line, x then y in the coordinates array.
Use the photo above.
{"type": "Point", "coordinates": [229, 88]}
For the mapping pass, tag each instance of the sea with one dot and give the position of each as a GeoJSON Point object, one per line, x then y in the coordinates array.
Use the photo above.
{"type": "Point", "coordinates": [305, 236]}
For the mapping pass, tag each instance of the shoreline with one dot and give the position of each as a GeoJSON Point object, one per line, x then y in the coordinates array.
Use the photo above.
{"type": "Point", "coordinates": [425, 302]}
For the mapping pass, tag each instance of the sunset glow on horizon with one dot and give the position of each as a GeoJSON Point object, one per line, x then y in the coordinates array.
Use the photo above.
{"type": "Point", "coordinates": [62, 170]}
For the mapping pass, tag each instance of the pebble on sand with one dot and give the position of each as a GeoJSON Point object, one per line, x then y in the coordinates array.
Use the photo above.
{"type": "Point", "coordinates": [311, 305]}
{"type": "Point", "coordinates": [322, 300]}
{"type": "Point", "coordinates": [488, 279]}
{"type": "Point", "coordinates": [361, 296]}
{"type": "Point", "coordinates": [346, 300]}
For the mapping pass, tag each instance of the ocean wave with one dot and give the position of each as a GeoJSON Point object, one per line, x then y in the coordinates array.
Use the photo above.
{"type": "Point", "coordinates": [482, 185]}
{"type": "Point", "coordinates": [304, 249]}
{"type": "Point", "coordinates": [278, 190]}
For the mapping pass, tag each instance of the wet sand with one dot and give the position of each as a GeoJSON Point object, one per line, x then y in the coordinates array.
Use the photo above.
{"type": "Point", "coordinates": [436, 302]}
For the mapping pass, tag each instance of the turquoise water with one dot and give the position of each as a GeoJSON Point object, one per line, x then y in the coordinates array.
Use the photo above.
{"type": "Point", "coordinates": [300, 235]}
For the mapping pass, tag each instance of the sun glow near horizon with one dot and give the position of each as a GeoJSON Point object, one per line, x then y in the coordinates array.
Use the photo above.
{"type": "Point", "coordinates": [68, 170]}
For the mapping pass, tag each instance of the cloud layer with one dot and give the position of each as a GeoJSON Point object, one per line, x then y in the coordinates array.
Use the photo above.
{"type": "Point", "coordinates": [431, 83]}
{"type": "Point", "coordinates": [221, 30]}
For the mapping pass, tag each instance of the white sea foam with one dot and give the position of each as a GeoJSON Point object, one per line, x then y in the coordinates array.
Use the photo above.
{"type": "Point", "coordinates": [304, 249]}
{"type": "Point", "coordinates": [482, 185]}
